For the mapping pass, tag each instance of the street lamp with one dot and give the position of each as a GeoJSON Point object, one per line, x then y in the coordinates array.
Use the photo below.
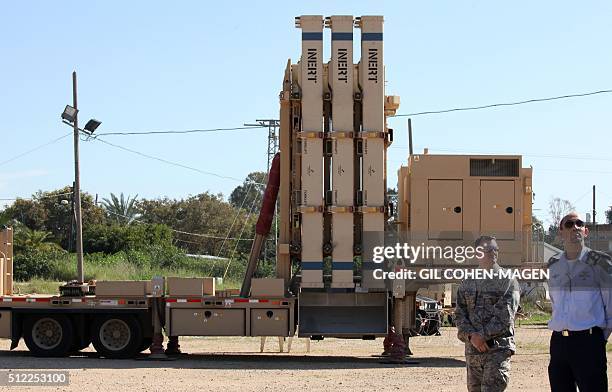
{"type": "Point", "coordinates": [70, 117]}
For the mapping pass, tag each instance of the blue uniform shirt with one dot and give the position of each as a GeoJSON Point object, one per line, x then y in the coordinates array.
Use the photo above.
{"type": "Point", "coordinates": [581, 292]}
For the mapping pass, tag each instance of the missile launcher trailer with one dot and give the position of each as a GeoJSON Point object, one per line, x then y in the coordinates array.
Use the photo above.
{"type": "Point", "coordinates": [330, 182]}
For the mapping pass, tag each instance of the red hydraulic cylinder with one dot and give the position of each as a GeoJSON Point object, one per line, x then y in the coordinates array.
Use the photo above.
{"type": "Point", "coordinates": [264, 222]}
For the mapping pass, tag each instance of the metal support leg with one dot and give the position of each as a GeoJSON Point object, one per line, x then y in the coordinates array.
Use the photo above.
{"type": "Point", "coordinates": [173, 347]}
{"type": "Point", "coordinates": [157, 348]}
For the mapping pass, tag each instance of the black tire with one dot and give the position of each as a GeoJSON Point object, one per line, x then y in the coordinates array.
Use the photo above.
{"type": "Point", "coordinates": [48, 335]}
{"type": "Point", "coordinates": [146, 343]}
{"type": "Point", "coordinates": [435, 322]}
{"type": "Point", "coordinates": [117, 336]}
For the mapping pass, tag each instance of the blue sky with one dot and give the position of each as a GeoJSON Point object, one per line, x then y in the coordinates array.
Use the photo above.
{"type": "Point", "coordinates": [151, 65]}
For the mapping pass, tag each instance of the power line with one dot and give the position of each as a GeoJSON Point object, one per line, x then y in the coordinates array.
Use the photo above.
{"type": "Point", "coordinates": [38, 198]}
{"type": "Point", "coordinates": [183, 232]}
{"type": "Point", "coordinates": [212, 236]}
{"type": "Point", "coordinates": [179, 132]}
{"type": "Point", "coordinates": [171, 163]}
{"type": "Point", "coordinates": [576, 171]}
{"type": "Point", "coordinates": [35, 149]}
{"type": "Point", "coordinates": [240, 235]}
{"type": "Point", "coordinates": [235, 217]}
{"type": "Point", "coordinates": [567, 96]}
{"type": "Point", "coordinates": [581, 197]}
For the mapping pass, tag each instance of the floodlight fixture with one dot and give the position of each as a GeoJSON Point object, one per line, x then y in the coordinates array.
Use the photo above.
{"type": "Point", "coordinates": [69, 114]}
{"type": "Point", "coordinates": [92, 125]}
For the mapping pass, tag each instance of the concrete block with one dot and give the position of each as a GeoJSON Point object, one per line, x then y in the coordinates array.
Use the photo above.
{"type": "Point", "coordinates": [268, 287]}
{"type": "Point", "coordinates": [121, 288]}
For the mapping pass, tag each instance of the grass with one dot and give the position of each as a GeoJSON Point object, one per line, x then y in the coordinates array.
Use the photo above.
{"type": "Point", "coordinates": [37, 286]}
{"type": "Point", "coordinates": [136, 265]}
{"type": "Point", "coordinates": [535, 316]}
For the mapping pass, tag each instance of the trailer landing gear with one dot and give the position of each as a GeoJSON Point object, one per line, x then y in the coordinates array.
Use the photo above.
{"type": "Point", "coordinates": [173, 347]}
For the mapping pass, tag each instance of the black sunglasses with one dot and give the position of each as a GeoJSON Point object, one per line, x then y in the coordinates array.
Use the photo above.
{"type": "Point", "coordinates": [570, 223]}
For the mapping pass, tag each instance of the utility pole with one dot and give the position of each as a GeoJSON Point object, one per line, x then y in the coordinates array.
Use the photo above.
{"type": "Point", "coordinates": [410, 137]}
{"type": "Point", "coordinates": [72, 240]}
{"type": "Point", "coordinates": [77, 185]}
{"type": "Point", "coordinates": [594, 241]}
{"type": "Point", "coordinates": [272, 125]}
{"type": "Point", "coordinates": [272, 137]}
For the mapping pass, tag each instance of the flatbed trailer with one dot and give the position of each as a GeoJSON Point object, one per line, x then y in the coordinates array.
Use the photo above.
{"type": "Point", "coordinates": [123, 326]}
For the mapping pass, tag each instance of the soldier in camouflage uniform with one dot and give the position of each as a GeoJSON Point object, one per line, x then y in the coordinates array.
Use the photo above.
{"type": "Point", "coordinates": [580, 283]}
{"type": "Point", "coordinates": [485, 323]}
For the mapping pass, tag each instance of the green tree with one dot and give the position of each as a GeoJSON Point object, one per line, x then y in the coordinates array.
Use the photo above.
{"type": "Point", "coordinates": [202, 222]}
{"type": "Point", "coordinates": [114, 238]}
{"type": "Point", "coordinates": [52, 212]}
{"type": "Point", "coordinates": [25, 237]}
{"type": "Point", "coordinates": [34, 253]}
{"type": "Point", "coordinates": [250, 193]}
{"type": "Point", "coordinates": [121, 210]}
{"type": "Point", "coordinates": [29, 212]}
{"type": "Point", "coordinates": [609, 215]}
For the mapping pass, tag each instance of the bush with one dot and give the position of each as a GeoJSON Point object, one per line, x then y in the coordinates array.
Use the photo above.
{"type": "Point", "coordinates": [103, 239]}
{"type": "Point", "coordinates": [110, 239]}
{"type": "Point", "coordinates": [32, 263]}
{"type": "Point", "coordinates": [142, 236]}
{"type": "Point", "coordinates": [166, 256]}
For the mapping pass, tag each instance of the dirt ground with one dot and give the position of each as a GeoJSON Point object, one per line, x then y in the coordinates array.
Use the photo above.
{"type": "Point", "coordinates": [235, 364]}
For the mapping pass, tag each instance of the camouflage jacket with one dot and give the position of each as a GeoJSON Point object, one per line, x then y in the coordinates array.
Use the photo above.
{"type": "Point", "coordinates": [487, 307]}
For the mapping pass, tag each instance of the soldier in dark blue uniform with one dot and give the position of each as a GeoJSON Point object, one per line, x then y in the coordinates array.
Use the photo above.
{"type": "Point", "coordinates": [580, 283]}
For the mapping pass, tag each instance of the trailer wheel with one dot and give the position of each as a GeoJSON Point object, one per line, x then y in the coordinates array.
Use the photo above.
{"type": "Point", "coordinates": [48, 336]}
{"type": "Point", "coordinates": [117, 336]}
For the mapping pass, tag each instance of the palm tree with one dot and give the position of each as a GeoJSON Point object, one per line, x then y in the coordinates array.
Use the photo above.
{"type": "Point", "coordinates": [120, 209]}
{"type": "Point", "coordinates": [26, 238]}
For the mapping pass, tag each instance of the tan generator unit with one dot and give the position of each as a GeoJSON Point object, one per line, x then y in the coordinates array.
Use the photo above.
{"type": "Point", "coordinates": [453, 199]}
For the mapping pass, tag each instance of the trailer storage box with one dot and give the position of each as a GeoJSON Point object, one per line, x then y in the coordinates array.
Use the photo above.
{"type": "Point", "coordinates": [267, 287]}
{"type": "Point", "coordinates": [269, 322]}
{"type": "Point", "coordinates": [5, 324]}
{"type": "Point", "coordinates": [207, 322]}
{"type": "Point", "coordinates": [126, 288]}
{"type": "Point", "coordinates": [191, 286]}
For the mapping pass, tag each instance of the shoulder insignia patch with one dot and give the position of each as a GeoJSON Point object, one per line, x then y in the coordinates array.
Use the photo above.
{"type": "Point", "coordinates": [602, 259]}
{"type": "Point", "coordinates": [553, 260]}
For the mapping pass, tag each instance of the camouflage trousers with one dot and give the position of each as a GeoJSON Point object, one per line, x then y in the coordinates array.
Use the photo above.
{"type": "Point", "coordinates": [488, 372]}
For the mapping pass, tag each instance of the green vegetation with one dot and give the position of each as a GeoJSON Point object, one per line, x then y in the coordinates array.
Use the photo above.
{"type": "Point", "coordinates": [126, 238]}
{"type": "Point", "coordinates": [533, 315]}
{"type": "Point", "coordinates": [134, 265]}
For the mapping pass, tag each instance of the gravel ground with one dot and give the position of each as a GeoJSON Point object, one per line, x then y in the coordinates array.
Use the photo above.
{"type": "Point", "coordinates": [235, 364]}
